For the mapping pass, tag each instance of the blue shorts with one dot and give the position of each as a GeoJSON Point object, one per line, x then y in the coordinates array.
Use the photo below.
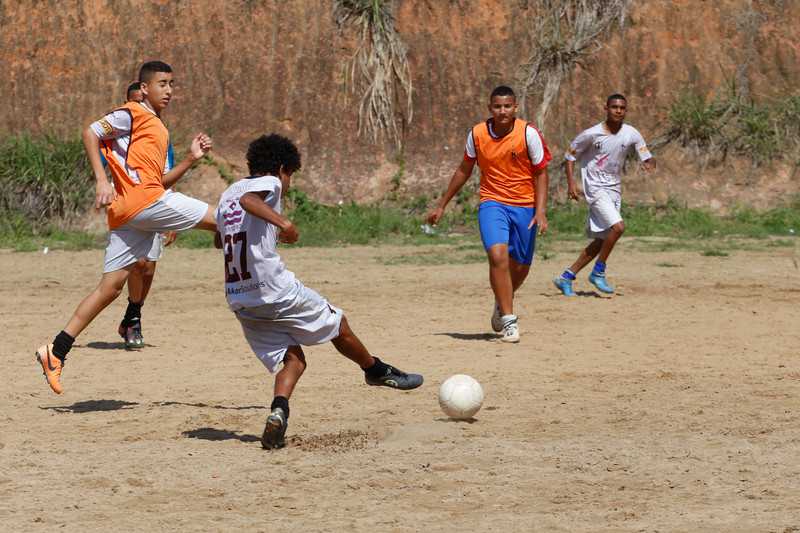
{"type": "Point", "coordinates": [508, 224]}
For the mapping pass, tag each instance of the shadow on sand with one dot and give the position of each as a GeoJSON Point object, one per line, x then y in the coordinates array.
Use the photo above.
{"type": "Point", "coordinates": [215, 434]}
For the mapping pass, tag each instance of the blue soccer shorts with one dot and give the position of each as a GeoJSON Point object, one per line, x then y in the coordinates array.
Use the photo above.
{"type": "Point", "coordinates": [508, 224]}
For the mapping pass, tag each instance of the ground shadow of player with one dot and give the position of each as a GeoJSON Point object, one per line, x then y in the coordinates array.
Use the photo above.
{"type": "Point", "coordinates": [92, 406]}
{"type": "Point", "coordinates": [102, 345]}
{"type": "Point", "coordinates": [470, 420]}
{"type": "Point", "coordinates": [215, 434]}
{"type": "Point", "coordinates": [470, 336]}
{"type": "Point", "coordinates": [227, 407]}
{"type": "Point", "coordinates": [589, 294]}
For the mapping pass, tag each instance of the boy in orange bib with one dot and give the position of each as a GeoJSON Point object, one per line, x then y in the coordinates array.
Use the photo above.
{"type": "Point", "coordinates": [513, 158]}
{"type": "Point", "coordinates": [134, 142]}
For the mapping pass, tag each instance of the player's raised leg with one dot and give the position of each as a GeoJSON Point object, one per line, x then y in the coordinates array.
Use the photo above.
{"type": "Point", "coordinates": [376, 372]}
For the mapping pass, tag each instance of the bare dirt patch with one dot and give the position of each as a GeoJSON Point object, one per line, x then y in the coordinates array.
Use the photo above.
{"type": "Point", "coordinates": [672, 406]}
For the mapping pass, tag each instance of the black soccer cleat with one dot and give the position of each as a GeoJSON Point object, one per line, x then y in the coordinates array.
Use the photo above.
{"type": "Point", "coordinates": [395, 378]}
{"type": "Point", "coordinates": [274, 431]}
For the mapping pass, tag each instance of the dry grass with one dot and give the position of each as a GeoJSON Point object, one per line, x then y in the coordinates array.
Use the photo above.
{"type": "Point", "coordinates": [563, 32]}
{"type": "Point", "coordinates": [379, 69]}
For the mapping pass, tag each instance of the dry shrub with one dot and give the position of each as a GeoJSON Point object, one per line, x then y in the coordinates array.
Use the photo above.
{"type": "Point", "coordinates": [379, 69]}
{"type": "Point", "coordinates": [562, 33]}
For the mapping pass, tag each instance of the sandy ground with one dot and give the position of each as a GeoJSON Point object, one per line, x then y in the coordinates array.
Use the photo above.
{"type": "Point", "coordinates": [672, 406]}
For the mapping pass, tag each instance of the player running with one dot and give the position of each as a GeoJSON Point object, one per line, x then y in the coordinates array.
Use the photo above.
{"type": "Point", "coordinates": [277, 312]}
{"type": "Point", "coordinates": [134, 141]}
{"type": "Point", "coordinates": [513, 158]}
{"type": "Point", "coordinates": [601, 151]}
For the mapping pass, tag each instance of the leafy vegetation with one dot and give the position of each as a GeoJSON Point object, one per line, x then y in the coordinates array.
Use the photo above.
{"type": "Point", "coordinates": [42, 180]}
{"type": "Point", "coordinates": [732, 124]}
{"type": "Point", "coordinates": [44, 187]}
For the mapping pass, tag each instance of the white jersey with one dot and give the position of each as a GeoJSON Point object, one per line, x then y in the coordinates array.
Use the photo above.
{"type": "Point", "coordinates": [602, 155]}
{"type": "Point", "coordinates": [254, 272]}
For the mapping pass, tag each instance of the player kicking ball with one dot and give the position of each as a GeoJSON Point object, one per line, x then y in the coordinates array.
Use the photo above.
{"type": "Point", "coordinates": [277, 312]}
{"type": "Point", "coordinates": [601, 151]}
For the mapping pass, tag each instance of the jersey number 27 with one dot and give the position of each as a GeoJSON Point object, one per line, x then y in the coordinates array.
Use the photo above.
{"type": "Point", "coordinates": [231, 274]}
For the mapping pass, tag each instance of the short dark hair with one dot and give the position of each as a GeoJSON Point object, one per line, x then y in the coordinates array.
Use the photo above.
{"type": "Point", "coordinates": [502, 90]}
{"type": "Point", "coordinates": [616, 96]}
{"type": "Point", "coordinates": [269, 153]}
{"type": "Point", "coordinates": [150, 68]}
{"type": "Point", "coordinates": [135, 86]}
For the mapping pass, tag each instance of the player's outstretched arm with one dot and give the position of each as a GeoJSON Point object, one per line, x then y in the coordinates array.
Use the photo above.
{"type": "Point", "coordinates": [104, 192]}
{"type": "Point", "coordinates": [201, 145]}
{"type": "Point", "coordinates": [573, 193]}
{"type": "Point", "coordinates": [460, 177]}
{"type": "Point", "coordinates": [253, 203]}
{"type": "Point", "coordinates": [542, 180]}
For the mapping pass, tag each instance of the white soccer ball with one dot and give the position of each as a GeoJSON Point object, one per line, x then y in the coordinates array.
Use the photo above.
{"type": "Point", "coordinates": [460, 396]}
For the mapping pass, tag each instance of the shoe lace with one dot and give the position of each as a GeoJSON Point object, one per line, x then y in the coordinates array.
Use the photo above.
{"type": "Point", "coordinates": [396, 372]}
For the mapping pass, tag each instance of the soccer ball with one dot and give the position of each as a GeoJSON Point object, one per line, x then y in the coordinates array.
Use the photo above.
{"type": "Point", "coordinates": [460, 396]}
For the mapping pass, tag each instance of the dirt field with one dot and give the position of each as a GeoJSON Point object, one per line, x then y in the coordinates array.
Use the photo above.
{"type": "Point", "coordinates": [672, 406]}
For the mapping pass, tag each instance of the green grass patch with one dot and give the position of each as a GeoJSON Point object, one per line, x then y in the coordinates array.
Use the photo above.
{"type": "Point", "coordinates": [667, 264]}
{"type": "Point", "coordinates": [441, 256]}
{"type": "Point", "coordinates": [46, 185]}
{"type": "Point", "coordinates": [195, 238]}
{"type": "Point", "coordinates": [43, 179]}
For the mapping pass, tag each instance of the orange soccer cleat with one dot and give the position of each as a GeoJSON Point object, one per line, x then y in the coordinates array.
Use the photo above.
{"type": "Point", "coordinates": [51, 367]}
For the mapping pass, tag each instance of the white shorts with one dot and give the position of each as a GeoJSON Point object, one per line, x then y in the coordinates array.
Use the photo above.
{"type": "Point", "coordinates": [604, 212]}
{"type": "Point", "coordinates": [138, 237]}
{"type": "Point", "coordinates": [306, 319]}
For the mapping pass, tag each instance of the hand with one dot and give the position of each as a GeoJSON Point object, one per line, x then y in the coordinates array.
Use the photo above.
{"type": "Point", "coordinates": [201, 145]}
{"type": "Point", "coordinates": [573, 193]}
{"type": "Point", "coordinates": [288, 234]}
{"type": "Point", "coordinates": [104, 193]}
{"type": "Point", "coordinates": [649, 165]}
{"type": "Point", "coordinates": [540, 220]}
{"type": "Point", "coordinates": [169, 237]}
{"type": "Point", "coordinates": [435, 215]}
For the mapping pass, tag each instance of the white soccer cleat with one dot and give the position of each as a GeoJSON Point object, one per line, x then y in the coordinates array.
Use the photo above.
{"type": "Point", "coordinates": [510, 329]}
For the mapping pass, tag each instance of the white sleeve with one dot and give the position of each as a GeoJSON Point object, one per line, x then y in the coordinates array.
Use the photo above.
{"type": "Point", "coordinates": [267, 184]}
{"type": "Point", "coordinates": [641, 146]}
{"type": "Point", "coordinates": [116, 124]}
{"type": "Point", "coordinates": [469, 149]}
{"type": "Point", "coordinates": [535, 145]}
{"type": "Point", "coordinates": [578, 145]}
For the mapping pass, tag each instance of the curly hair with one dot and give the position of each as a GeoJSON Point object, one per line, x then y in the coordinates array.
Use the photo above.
{"type": "Point", "coordinates": [269, 153]}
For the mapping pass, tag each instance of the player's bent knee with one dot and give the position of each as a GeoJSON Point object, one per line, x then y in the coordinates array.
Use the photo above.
{"type": "Point", "coordinates": [618, 228]}
{"type": "Point", "coordinates": [498, 256]}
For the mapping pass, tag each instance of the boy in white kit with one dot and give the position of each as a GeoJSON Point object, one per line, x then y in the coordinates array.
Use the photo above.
{"type": "Point", "coordinates": [601, 151]}
{"type": "Point", "coordinates": [276, 311]}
